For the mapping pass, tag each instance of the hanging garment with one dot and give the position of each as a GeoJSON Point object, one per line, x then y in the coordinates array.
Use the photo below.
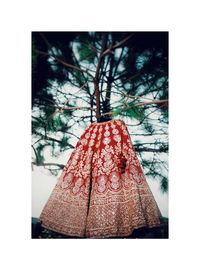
{"type": "Point", "coordinates": [102, 191]}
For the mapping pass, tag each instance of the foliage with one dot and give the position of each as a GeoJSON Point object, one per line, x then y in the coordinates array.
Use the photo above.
{"type": "Point", "coordinates": [130, 111]}
{"type": "Point", "coordinates": [132, 72]}
{"type": "Point", "coordinates": [86, 51]}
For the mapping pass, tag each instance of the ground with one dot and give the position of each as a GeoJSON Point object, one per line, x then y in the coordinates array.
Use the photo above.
{"type": "Point", "coordinates": [39, 232]}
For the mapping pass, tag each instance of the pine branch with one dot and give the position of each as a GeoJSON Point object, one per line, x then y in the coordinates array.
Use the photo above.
{"type": "Point", "coordinates": [149, 134]}
{"type": "Point", "coordinates": [131, 96]}
{"type": "Point", "coordinates": [36, 155]}
{"type": "Point", "coordinates": [119, 44]}
{"type": "Point", "coordinates": [123, 41]}
{"type": "Point", "coordinates": [118, 62]}
{"type": "Point", "coordinates": [146, 149]}
{"type": "Point", "coordinates": [151, 102]}
{"type": "Point", "coordinates": [49, 164]}
{"type": "Point", "coordinates": [139, 104]}
{"type": "Point", "coordinates": [45, 137]}
{"type": "Point", "coordinates": [66, 108]}
{"type": "Point", "coordinates": [75, 108]}
{"type": "Point", "coordinates": [65, 130]}
{"type": "Point", "coordinates": [64, 63]}
{"type": "Point", "coordinates": [109, 85]}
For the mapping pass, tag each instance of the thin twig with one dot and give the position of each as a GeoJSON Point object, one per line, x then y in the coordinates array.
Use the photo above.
{"type": "Point", "coordinates": [48, 164]}
{"type": "Point", "coordinates": [151, 102]}
{"type": "Point", "coordinates": [139, 104]}
{"type": "Point", "coordinates": [119, 44]}
{"type": "Point", "coordinates": [146, 149]}
{"type": "Point", "coordinates": [64, 63]}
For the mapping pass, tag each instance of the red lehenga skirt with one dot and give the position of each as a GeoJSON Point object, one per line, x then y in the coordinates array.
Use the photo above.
{"type": "Point", "coordinates": [102, 191]}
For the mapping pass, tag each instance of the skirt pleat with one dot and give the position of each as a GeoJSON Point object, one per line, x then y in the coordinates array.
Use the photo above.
{"type": "Point", "coordinates": [102, 191]}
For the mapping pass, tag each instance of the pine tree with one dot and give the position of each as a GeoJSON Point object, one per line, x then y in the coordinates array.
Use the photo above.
{"type": "Point", "coordinates": [83, 77]}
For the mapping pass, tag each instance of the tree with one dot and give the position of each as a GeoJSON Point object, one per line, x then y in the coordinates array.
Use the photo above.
{"type": "Point", "coordinates": [82, 77]}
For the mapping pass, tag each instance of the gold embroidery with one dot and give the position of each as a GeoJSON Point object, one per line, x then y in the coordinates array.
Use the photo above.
{"type": "Point", "coordinates": [120, 201]}
{"type": "Point", "coordinates": [87, 135]}
{"type": "Point", "coordinates": [106, 140]}
{"type": "Point", "coordinates": [114, 178]}
{"type": "Point", "coordinates": [106, 127]}
{"type": "Point", "coordinates": [101, 183]}
{"type": "Point", "coordinates": [107, 133]}
{"type": "Point", "coordinates": [91, 143]}
{"type": "Point", "coordinates": [115, 131]}
{"type": "Point", "coordinates": [117, 138]}
{"type": "Point", "coordinates": [67, 180]}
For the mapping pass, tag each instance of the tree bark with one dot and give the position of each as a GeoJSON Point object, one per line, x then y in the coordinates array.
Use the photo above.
{"type": "Point", "coordinates": [109, 86]}
{"type": "Point", "coordinates": [96, 78]}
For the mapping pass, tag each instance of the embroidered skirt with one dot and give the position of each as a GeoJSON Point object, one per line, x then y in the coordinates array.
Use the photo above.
{"type": "Point", "coordinates": [102, 191]}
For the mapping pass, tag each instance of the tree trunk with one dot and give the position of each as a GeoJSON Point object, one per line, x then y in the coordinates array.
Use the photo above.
{"type": "Point", "coordinates": [97, 76]}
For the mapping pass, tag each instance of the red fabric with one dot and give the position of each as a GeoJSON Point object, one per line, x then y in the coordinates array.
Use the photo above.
{"type": "Point", "coordinates": [102, 191]}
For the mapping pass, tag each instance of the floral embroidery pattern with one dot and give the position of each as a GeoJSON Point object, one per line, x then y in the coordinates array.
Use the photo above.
{"type": "Point", "coordinates": [102, 191]}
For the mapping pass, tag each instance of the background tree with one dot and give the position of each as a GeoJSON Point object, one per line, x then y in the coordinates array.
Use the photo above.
{"type": "Point", "coordinates": [82, 77]}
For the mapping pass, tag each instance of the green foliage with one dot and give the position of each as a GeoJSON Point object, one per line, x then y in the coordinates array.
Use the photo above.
{"type": "Point", "coordinates": [116, 111]}
{"type": "Point", "coordinates": [79, 78]}
{"type": "Point", "coordinates": [164, 184]}
{"type": "Point", "coordinates": [39, 153]}
{"type": "Point", "coordinates": [147, 163]}
{"type": "Point", "coordinates": [164, 116]}
{"type": "Point", "coordinates": [148, 127]}
{"type": "Point", "coordinates": [55, 149]}
{"type": "Point", "coordinates": [134, 112]}
{"type": "Point", "coordinates": [154, 170]}
{"type": "Point", "coordinates": [64, 142]}
{"type": "Point", "coordinates": [37, 124]}
{"type": "Point", "coordinates": [86, 51]}
{"type": "Point", "coordinates": [55, 120]}
{"type": "Point", "coordinates": [54, 172]}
